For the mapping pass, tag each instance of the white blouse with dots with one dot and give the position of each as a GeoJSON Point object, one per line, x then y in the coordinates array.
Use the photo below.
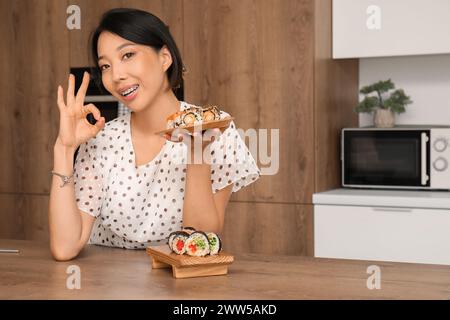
{"type": "Point", "coordinates": [137, 206]}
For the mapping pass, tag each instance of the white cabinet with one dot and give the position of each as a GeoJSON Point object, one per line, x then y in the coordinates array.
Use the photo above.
{"type": "Point", "coordinates": [382, 233]}
{"type": "Point", "coordinates": [379, 28]}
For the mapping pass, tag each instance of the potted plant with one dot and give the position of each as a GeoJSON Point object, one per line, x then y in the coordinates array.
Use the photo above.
{"type": "Point", "coordinates": [383, 105]}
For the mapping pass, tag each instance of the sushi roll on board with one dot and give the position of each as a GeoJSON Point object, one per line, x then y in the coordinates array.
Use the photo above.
{"type": "Point", "coordinates": [194, 243]}
{"type": "Point", "coordinates": [210, 113]}
{"type": "Point", "coordinates": [177, 241]}
{"type": "Point", "coordinates": [170, 238]}
{"type": "Point", "coordinates": [187, 117]}
{"type": "Point", "coordinates": [196, 118]}
{"type": "Point", "coordinates": [193, 116]}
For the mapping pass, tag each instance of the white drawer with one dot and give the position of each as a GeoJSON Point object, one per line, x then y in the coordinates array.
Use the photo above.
{"type": "Point", "coordinates": [383, 234]}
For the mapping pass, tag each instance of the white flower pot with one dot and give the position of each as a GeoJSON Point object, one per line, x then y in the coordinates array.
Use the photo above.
{"type": "Point", "coordinates": [384, 118]}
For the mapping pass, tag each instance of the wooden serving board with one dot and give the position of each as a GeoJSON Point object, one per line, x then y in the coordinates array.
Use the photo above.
{"type": "Point", "coordinates": [184, 266]}
{"type": "Point", "coordinates": [222, 123]}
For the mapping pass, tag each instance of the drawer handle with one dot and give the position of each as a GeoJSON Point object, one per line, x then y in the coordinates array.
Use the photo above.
{"type": "Point", "coordinates": [424, 176]}
{"type": "Point", "coordinates": [391, 209]}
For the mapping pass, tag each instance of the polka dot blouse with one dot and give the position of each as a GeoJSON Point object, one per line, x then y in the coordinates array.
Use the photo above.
{"type": "Point", "coordinates": [137, 206]}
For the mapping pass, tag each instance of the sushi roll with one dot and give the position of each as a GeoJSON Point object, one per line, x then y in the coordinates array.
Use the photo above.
{"type": "Point", "coordinates": [178, 244]}
{"type": "Point", "coordinates": [191, 116]}
{"type": "Point", "coordinates": [211, 114]}
{"type": "Point", "coordinates": [215, 244]}
{"type": "Point", "coordinates": [170, 238]}
{"type": "Point", "coordinates": [173, 121]}
{"type": "Point", "coordinates": [197, 245]}
{"type": "Point", "coordinates": [188, 119]}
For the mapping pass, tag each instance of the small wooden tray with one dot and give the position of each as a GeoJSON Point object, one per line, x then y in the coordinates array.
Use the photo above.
{"type": "Point", "coordinates": [222, 123]}
{"type": "Point", "coordinates": [184, 266]}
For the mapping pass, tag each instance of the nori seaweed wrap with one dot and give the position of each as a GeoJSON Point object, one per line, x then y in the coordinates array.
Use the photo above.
{"type": "Point", "coordinates": [189, 230]}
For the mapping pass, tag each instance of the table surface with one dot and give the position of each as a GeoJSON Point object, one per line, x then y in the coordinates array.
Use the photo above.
{"type": "Point", "coordinates": [110, 273]}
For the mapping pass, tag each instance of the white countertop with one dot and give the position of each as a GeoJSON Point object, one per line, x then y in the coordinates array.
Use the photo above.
{"type": "Point", "coordinates": [384, 198]}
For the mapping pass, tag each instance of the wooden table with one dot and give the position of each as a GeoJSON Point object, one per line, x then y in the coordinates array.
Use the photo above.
{"type": "Point", "coordinates": [109, 273]}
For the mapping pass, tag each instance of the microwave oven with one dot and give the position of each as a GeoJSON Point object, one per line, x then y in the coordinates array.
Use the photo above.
{"type": "Point", "coordinates": [403, 157]}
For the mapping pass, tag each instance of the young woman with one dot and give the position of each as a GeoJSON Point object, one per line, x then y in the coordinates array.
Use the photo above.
{"type": "Point", "coordinates": [131, 187]}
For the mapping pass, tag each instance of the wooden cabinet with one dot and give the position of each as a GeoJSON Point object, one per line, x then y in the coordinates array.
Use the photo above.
{"type": "Point", "coordinates": [380, 28]}
{"type": "Point", "coordinates": [269, 228]}
{"type": "Point", "coordinates": [397, 234]}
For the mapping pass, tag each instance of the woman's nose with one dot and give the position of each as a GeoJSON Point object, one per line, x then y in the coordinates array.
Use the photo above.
{"type": "Point", "coordinates": [118, 74]}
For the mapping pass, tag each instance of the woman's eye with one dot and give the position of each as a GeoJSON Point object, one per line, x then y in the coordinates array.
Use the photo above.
{"type": "Point", "coordinates": [103, 67]}
{"type": "Point", "coordinates": [128, 55]}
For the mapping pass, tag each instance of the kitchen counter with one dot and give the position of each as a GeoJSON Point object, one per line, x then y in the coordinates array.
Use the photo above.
{"type": "Point", "coordinates": [109, 273]}
{"type": "Point", "coordinates": [388, 198]}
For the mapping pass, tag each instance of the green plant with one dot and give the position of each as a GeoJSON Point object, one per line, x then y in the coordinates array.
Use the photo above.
{"type": "Point", "coordinates": [396, 101]}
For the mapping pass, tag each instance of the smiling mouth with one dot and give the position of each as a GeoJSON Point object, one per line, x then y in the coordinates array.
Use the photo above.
{"type": "Point", "coordinates": [130, 91]}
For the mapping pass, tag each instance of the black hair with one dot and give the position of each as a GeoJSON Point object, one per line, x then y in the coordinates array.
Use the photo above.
{"type": "Point", "coordinates": [140, 27]}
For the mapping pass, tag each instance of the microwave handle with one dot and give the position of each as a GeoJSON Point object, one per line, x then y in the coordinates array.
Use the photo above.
{"type": "Point", "coordinates": [424, 140]}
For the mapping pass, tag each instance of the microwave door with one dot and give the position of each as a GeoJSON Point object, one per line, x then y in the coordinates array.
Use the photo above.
{"type": "Point", "coordinates": [424, 159]}
{"type": "Point", "coordinates": [386, 158]}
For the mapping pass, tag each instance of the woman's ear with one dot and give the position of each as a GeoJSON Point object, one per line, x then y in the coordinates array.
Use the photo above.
{"type": "Point", "coordinates": [166, 57]}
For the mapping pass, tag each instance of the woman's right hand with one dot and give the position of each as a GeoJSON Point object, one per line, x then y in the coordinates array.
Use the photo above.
{"type": "Point", "coordinates": [74, 128]}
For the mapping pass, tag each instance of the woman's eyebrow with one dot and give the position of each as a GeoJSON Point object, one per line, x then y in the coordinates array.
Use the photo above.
{"type": "Point", "coordinates": [126, 44]}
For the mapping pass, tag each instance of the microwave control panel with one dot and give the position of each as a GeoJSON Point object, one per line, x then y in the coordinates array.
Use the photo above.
{"type": "Point", "coordinates": [440, 158]}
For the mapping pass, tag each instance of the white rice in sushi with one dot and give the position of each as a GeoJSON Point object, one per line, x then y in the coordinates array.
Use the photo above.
{"type": "Point", "coordinates": [215, 244]}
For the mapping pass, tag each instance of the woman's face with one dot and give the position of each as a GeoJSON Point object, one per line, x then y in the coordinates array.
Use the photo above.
{"type": "Point", "coordinates": [135, 74]}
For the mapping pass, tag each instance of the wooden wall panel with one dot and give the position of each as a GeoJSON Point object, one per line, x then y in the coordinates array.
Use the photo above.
{"type": "Point", "coordinates": [40, 47]}
{"type": "Point", "coordinates": [255, 58]}
{"type": "Point", "coordinates": [11, 226]}
{"type": "Point", "coordinates": [33, 62]}
{"type": "Point", "coordinates": [168, 11]}
{"type": "Point", "coordinates": [24, 217]}
{"type": "Point", "coordinates": [335, 95]}
{"type": "Point", "coordinates": [269, 228]}
{"type": "Point", "coordinates": [8, 129]}
{"type": "Point", "coordinates": [91, 12]}
{"type": "Point", "coordinates": [35, 217]}
{"type": "Point", "coordinates": [171, 12]}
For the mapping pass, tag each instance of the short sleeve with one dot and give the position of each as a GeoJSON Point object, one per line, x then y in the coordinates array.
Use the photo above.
{"type": "Point", "coordinates": [232, 162]}
{"type": "Point", "coordinates": [88, 179]}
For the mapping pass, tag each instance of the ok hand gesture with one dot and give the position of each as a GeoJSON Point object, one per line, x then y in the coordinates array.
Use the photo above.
{"type": "Point", "coordinates": [74, 128]}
